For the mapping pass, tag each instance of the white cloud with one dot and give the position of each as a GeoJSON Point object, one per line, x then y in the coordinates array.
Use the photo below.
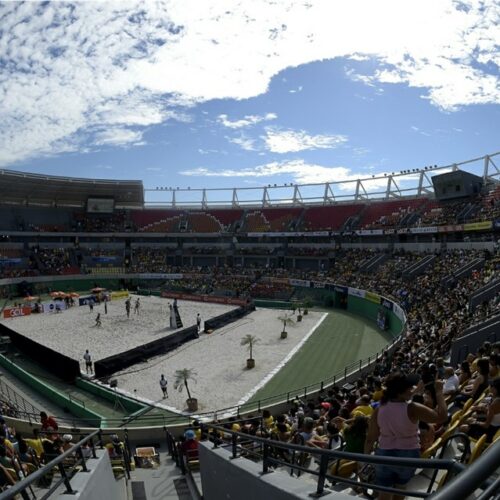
{"type": "Point", "coordinates": [71, 70]}
{"type": "Point", "coordinates": [290, 141]}
{"type": "Point", "coordinates": [247, 121]}
{"type": "Point", "coordinates": [245, 142]}
{"type": "Point", "coordinates": [299, 171]}
{"type": "Point", "coordinates": [419, 131]}
{"type": "Point", "coordinates": [118, 137]}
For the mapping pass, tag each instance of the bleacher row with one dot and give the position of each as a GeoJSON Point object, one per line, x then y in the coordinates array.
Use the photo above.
{"type": "Point", "coordinates": [368, 214]}
{"type": "Point", "coordinates": [339, 417]}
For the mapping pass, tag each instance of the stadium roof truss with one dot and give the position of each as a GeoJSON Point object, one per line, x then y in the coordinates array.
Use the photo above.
{"type": "Point", "coordinates": [406, 183]}
{"type": "Point", "coordinates": [19, 188]}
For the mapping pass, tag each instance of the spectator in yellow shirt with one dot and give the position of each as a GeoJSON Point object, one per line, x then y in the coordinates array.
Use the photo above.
{"type": "Point", "coordinates": [364, 407]}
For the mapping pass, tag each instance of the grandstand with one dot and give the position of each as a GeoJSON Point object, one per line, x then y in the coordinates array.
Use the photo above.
{"type": "Point", "coordinates": [423, 273]}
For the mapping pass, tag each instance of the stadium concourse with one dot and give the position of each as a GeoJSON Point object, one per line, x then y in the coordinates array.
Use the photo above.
{"type": "Point", "coordinates": [428, 268]}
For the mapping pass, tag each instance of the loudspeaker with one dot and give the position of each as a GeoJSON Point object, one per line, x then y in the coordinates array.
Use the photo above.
{"type": "Point", "coordinates": [113, 383]}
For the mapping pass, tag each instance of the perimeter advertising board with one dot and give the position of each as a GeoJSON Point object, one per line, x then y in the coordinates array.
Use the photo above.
{"type": "Point", "coordinates": [14, 312]}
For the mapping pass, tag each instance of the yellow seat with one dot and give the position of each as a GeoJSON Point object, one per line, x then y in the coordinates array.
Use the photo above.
{"type": "Point", "coordinates": [432, 450]}
{"type": "Point", "coordinates": [450, 431]}
{"type": "Point", "coordinates": [467, 404]}
{"type": "Point", "coordinates": [118, 470]}
{"type": "Point", "coordinates": [343, 468]}
{"type": "Point", "coordinates": [457, 416]}
{"type": "Point", "coordinates": [478, 449]}
{"type": "Point", "coordinates": [496, 436]}
{"type": "Point", "coordinates": [12, 473]}
{"type": "Point", "coordinates": [482, 396]}
{"type": "Point", "coordinates": [30, 467]}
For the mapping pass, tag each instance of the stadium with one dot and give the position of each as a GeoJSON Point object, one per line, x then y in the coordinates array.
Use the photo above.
{"type": "Point", "coordinates": [332, 287]}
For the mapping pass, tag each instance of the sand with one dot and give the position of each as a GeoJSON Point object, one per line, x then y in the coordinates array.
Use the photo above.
{"type": "Point", "coordinates": [72, 331]}
{"type": "Point", "coordinates": [218, 359]}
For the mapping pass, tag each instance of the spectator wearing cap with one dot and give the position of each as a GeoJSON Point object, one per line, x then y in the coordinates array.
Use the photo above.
{"type": "Point", "coordinates": [115, 447]}
{"type": "Point", "coordinates": [67, 442]}
{"type": "Point", "coordinates": [190, 446]}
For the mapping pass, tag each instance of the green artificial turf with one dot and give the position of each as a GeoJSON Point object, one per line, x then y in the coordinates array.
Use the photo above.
{"type": "Point", "coordinates": [340, 340]}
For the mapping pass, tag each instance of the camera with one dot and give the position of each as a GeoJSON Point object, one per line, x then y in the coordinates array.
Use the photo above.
{"type": "Point", "coordinates": [428, 374]}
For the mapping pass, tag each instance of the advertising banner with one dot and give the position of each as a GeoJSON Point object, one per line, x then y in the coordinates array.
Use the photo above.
{"type": "Point", "coordinates": [203, 298]}
{"type": "Point", "coordinates": [386, 303]}
{"type": "Point", "coordinates": [356, 292]}
{"type": "Point", "coordinates": [478, 226]}
{"type": "Point", "coordinates": [161, 276]}
{"type": "Point", "coordinates": [53, 307]}
{"type": "Point", "coordinates": [372, 297]}
{"type": "Point", "coordinates": [14, 312]}
{"type": "Point", "coordinates": [286, 234]}
{"type": "Point", "coordinates": [340, 289]}
{"type": "Point", "coordinates": [423, 230]}
{"type": "Point", "coordinates": [368, 232]}
{"type": "Point", "coordinates": [317, 284]}
{"type": "Point", "coordinates": [84, 301]}
{"type": "Point", "coordinates": [120, 294]}
{"type": "Point", "coordinates": [103, 259]}
{"type": "Point", "coordinates": [10, 260]}
{"type": "Point", "coordinates": [280, 281]}
{"type": "Point", "coordinates": [451, 228]}
{"type": "Point", "coordinates": [398, 311]}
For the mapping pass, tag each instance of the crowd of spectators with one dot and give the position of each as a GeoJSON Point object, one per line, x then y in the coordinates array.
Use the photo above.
{"type": "Point", "coordinates": [343, 416]}
{"type": "Point", "coordinates": [426, 397]}
{"type": "Point", "coordinates": [308, 251]}
{"type": "Point", "coordinates": [271, 290]}
{"type": "Point", "coordinates": [145, 259]}
{"type": "Point", "coordinates": [447, 213]}
{"type": "Point", "coordinates": [101, 223]}
{"type": "Point", "coordinates": [22, 455]}
{"type": "Point", "coordinates": [52, 260]}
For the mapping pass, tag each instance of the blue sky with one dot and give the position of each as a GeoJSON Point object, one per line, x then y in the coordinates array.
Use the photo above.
{"type": "Point", "coordinates": [222, 94]}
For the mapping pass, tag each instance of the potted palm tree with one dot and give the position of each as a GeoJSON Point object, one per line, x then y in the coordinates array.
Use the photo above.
{"type": "Point", "coordinates": [307, 305]}
{"type": "Point", "coordinates": [250, 340]}
{"type": "Point", "coordinates": [287, 320]}
{"type": "Point", "coordinates": [181, 381]}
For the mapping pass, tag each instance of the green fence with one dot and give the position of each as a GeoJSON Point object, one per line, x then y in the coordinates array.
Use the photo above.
{"type": "Point", "coordinates": [62, 400]}
{"type": "Point", "coordinates": [369, 310]}
{"type": "Point", "coordinates": [129, 404]}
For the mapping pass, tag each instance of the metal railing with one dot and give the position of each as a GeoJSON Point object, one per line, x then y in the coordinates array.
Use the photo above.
{"type": "Point", "coordinates": [14, 399]}
{"type": "Point", "coordinates": [68, 464]}
{"type": "Point", "coordinates": [61, 463]}
{"type": "Point", "coordinates": [347, 373]}
{"type": "Point", "coordinates": [460, 481]}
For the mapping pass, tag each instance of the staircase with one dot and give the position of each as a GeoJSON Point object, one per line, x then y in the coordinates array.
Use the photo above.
{"type": "Point", "coordinates": [178, 320]}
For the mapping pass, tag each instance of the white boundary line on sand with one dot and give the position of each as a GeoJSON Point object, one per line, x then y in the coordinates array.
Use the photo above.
{"type": "Point", "coordinates": [285, 360]}
{"type": "Point", "coordinates": [161, 404]}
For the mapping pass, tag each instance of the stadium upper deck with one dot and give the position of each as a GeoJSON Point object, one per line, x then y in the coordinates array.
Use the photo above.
{"type": "Point", "coordinates": [38, 203]}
